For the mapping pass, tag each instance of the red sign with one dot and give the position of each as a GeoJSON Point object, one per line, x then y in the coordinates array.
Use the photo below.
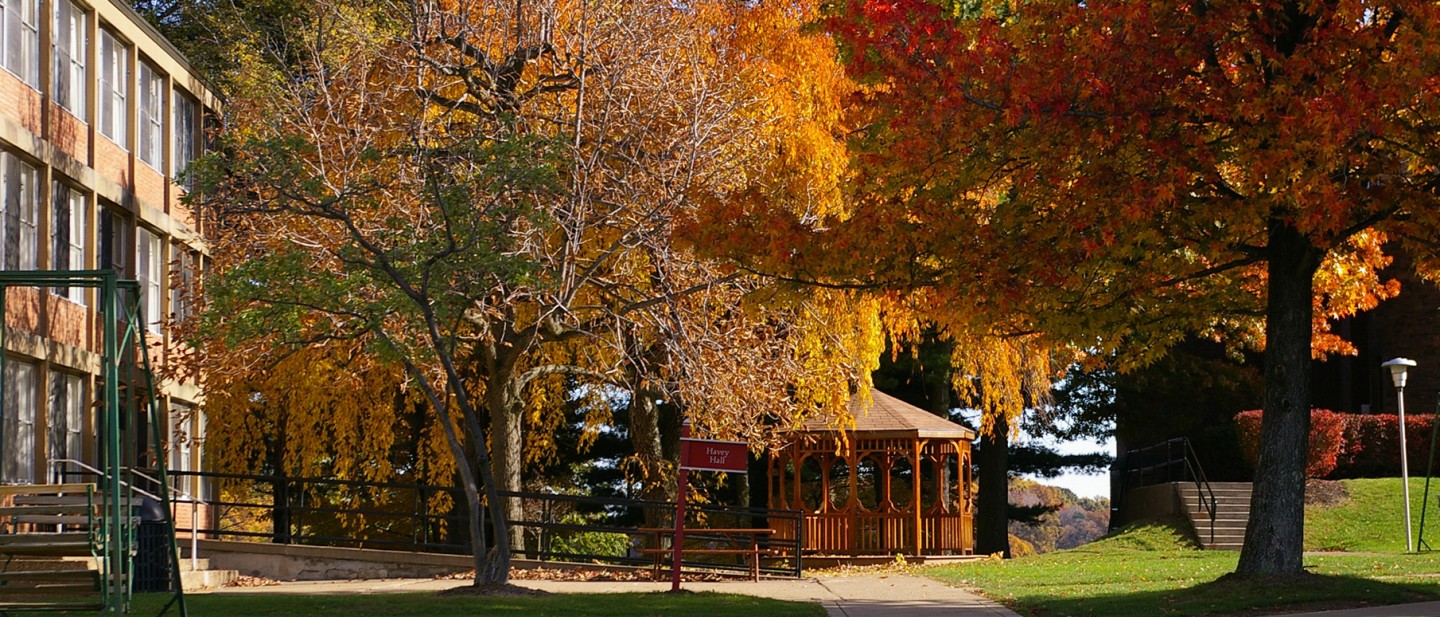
{"type": "Point", "coordinates": [711, 455]}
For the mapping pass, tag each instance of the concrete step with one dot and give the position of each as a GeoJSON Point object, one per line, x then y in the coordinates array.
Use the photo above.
{"type": "Point", "coordinates": [202, 576]}
{"type": "Point", "coordinates": [1239, 506]}
{"type": "Point", "coordinates": [208, 579]}
{"type": "Point", "coordinates": [1218, 499]}
{"type": "Point", "coordinates": [1223, 516]}
{"type": "Point", "coordinates": [1237, 535]}
{"type": "Point", "coordinates": [1232, 514]}
{"type": "Point", "coordinates": [1204, 526]}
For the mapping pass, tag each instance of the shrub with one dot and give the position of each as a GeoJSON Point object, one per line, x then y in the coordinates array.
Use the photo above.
{"type": "Point", "coordinates": [1346, 445]}
{"type": "Point", "coordinates": [1372, 445]}
{"type": "Point", "coordinates": [587, 544]}
{"type": "Point", "coordinates": [1327, 438]}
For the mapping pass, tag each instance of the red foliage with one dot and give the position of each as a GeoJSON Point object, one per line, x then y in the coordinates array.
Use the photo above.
{"type": "Point", "coordinates": [1372, 444]}
{"type": "Point", "coordinates": [1350, 445]}
{"type": "Point", "coordinates": [1327, 430]}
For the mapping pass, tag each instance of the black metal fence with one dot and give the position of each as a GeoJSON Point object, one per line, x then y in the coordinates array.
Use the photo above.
{"type": "Point", "coordinates": [424, 518]}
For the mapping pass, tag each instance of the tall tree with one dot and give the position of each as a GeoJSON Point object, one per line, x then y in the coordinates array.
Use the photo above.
{"type": "Point", "coordinates": [488, 194]}
{"type": "Point", "coordinates": [1120, 174]}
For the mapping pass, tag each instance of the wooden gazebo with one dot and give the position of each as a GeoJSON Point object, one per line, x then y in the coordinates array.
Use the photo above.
{"type": "Point", "coordinates": [899, 482]}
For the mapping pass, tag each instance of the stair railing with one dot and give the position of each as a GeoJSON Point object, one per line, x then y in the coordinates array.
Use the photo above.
{"type": "Point", "coordinates": [1202, 485]}
{"type": "Point", "coordinates": [59, 464]}
{"type": "Point", "coordinates": [1174, 460]}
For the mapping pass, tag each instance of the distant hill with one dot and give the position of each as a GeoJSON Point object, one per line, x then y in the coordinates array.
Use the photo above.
{"type": "Point", "coordinates": [1053, 518]}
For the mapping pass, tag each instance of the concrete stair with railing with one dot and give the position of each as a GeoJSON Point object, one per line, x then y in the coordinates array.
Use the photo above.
{"type": "Point", "coordinates": [1232, 513]}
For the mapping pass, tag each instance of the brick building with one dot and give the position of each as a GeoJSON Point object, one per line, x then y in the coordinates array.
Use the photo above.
{"type": "Point", "coordinates": [99, 117]}
{"type": "Point", "coordinates": [1407, 326]}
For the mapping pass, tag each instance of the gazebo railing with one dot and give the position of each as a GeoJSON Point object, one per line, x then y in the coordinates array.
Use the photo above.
{"type": "Point", "coordinates": [858, 533]}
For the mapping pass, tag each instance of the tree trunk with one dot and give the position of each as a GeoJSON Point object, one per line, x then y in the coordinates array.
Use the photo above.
{"type": "Point", "coordinates": [1274, 540]}
{"type": "Point", "coordinates": [992, 519]}
{"type": "Point", "coordinates": [506, 447]}
{"type": "Point", "coordinates": [645, 439]}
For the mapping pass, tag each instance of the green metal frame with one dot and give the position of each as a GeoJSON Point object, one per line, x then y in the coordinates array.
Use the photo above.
{"type": "Point", "coordinates": [118, 530]}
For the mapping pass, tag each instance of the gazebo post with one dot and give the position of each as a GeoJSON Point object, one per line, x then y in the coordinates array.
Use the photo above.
{"type": "Point", "coordinates": [915, 500]}
{"type": "Point", "coordinates": [852, 495]}
{"type": "Point", "coordinates": [797, 502]}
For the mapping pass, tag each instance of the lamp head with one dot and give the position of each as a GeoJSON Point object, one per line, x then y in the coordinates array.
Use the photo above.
{"type": "Point", "coordinates": [1397, 368]}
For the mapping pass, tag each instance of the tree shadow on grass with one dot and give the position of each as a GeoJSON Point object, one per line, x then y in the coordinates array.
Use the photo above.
{"type": "Point", "coordinates": [1236, 597]}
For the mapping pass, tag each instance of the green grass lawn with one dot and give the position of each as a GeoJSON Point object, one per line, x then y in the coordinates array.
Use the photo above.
{"type": "Point", "coordinates": [432, 605]}
{"type": "Point", "coordinates": [1155, 570]}
{"type": "Point", "coordinates": [1373, 520]}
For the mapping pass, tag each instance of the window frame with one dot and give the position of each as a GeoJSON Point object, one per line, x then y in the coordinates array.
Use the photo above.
{"type": "Point", "coordinates": [66, 390]}
{"type": "Point", "coordinates": [19, 197]}
{"type": "Point", "coordinates": [150, 272]}
{"type": "Point", "coordinates": [184, 135]}
{"type": "Point", "coordinates": [150, 117]}
{"type": "Point", "coordinates": [18, 407]}
{"type": "Point", "coordinates": [67, 236]}
{"type": "Point", "coordinates": [21, 19]}
{"type": "Point", "coordinates": [69, 49]}
{"type": "Point", "coordinates": [114, 90]}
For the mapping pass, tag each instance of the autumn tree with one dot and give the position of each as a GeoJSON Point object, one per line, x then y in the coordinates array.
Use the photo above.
{"type": "Point", "coordinates": [1116, 175]}
{"type": "Point", "coordinates": [487, 196]}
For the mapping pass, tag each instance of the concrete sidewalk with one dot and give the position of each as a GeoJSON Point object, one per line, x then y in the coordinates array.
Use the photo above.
{"type": "Point", "coordinates": [855, 596]}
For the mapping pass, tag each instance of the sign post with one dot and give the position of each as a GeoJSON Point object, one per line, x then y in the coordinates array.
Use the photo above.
{"type": "Point", "coordinates": [699, 455]}
{"type": "Point", "coordinates": [678, 540]}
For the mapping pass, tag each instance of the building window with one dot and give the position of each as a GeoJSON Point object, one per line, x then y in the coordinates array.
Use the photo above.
{"type": "Point", "coordinates": [150, 265]}
{"type": "Point", "coordinates": [18, 185]}
{"type": "Point", "coordinates": [67, 235]}
{"type": "Point", "coordinates": [114, 252]}
{"type": "Point", "coordinates": [66, 419]}
{"type": "Point", "coordinates": [114, 241]}
{"type": "Point", "coordinates": [181, 416]}
{"type": "Point", "coordinates": [20, 38]}
{"type": "Point", "coordinates": [69, 41]}
{"type": "Point", "coordinates": [19, 424]}
{"type": "Point", "coordinates": [152, 116]}
{"type": "Point", "coordinates": [184, 126]}
{"type": "Point", "coordinates": [114, 86]}
{"type": "Point", "coordinates": [182, 283]}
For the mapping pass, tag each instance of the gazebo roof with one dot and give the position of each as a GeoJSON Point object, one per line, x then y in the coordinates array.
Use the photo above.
{"type": "Point", "coordinates": [885, 415]}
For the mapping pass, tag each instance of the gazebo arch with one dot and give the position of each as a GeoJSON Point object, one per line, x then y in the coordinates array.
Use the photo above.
{"type": "Point", "coordinates": [899, 482]}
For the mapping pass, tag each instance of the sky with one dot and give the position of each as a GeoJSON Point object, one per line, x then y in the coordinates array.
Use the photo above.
{"type": "Point", "coordinates": [1083, 485]}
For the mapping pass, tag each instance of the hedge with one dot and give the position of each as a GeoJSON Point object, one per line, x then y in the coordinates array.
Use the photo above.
{"type": "Point", "coordinates": [1344, 445]}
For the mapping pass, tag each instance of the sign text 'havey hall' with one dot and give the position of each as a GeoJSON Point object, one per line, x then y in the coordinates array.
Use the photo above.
{"type": "Point", "coordinates": [712, 455]}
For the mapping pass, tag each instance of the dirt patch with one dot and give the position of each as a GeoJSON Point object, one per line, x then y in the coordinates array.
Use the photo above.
{"type": "Point", "coordinates": [500, 591]}
{"type": "Point", "coordinates": [1325, 493]}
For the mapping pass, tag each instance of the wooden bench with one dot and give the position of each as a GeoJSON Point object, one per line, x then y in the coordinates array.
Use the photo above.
{"type": "Point", "coordinates": [749, 546]}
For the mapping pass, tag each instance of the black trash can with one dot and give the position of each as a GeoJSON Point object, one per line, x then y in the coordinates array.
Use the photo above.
{"type": "Point", "coordinates": [152, 546]}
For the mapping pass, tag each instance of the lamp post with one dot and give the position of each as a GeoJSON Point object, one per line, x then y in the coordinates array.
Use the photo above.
{"type": "Point", "coordinates": [1397, 368]}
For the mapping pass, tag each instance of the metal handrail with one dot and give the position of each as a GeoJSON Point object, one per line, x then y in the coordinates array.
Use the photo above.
{"type": "Point", "coordinates": [1197, 473]}
{"type": "Point", "coordinates": [1187, 460]}
{"type": "Point", "coordinates": [93, 471]}
{"type": "Point", "coordinates": [194, 503]}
